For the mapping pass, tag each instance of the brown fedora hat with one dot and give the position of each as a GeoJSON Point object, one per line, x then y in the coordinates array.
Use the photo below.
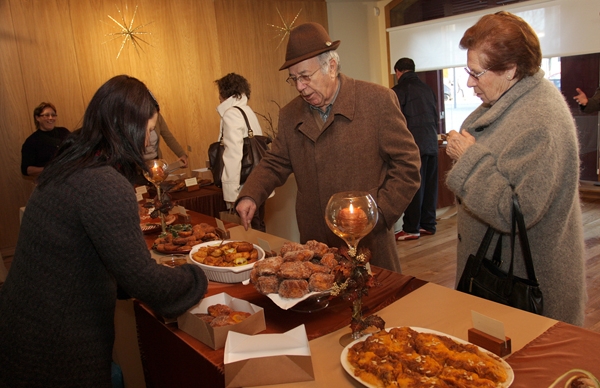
{"type": "Point", "coordinates": [306, 41]}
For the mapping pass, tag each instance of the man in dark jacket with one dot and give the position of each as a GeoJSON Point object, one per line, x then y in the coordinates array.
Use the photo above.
{"type": "Point", "coordinates": [418, 103]}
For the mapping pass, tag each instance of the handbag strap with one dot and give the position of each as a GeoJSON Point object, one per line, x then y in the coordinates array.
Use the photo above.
{"type": "Point", "coordinates": [483, 247]}
{"type": "Point", "coordinates": [518, 220]}
{"type": "Point", "coordinates": [250, 132]}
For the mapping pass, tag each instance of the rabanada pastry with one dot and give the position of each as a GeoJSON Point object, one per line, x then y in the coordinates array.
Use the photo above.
{"type": "Point", "coordinates": [403, 357]}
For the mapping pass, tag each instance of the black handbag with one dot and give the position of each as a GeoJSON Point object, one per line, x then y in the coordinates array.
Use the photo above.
{"type": "Point", "coordinates": [482, 277]}
{"type": "Point", "coordinates": [254, 148]}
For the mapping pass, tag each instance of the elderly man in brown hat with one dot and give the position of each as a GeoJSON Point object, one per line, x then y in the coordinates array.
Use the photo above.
{"type": "Point", "coordinates": [339, 134]}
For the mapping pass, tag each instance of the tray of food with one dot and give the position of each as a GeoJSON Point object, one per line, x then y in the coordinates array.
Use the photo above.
{"type": "Point", "coordinates": [298, 273]}
{"type": "Point", "coordinates": [226, 261]}
{"type": "Point", "coordinates": [415, 356]}
{"type": "Point", "coordinates": [150, 225]}
{"type": "Point", "coordinates": [180, 238]}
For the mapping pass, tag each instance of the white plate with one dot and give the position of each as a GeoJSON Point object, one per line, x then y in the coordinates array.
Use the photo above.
{"type": "Point", "coordinates": [288, 303]}
{"type": "Point", "coordinates": [350, 369]}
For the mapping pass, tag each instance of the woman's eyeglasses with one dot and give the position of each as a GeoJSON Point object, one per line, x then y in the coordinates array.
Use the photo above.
{"type": "Point", "coordinates": [476, 75]}
{"type": "Point", "coordinates": [48, 115]}
{"type": "Point", "coordinates": [304, 79]}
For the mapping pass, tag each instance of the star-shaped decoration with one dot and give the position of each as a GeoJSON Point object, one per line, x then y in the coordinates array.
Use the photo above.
{"type": "Point", "coordinates": [128, 32]}
{"type": "Point", "coordinates": [283, 31]}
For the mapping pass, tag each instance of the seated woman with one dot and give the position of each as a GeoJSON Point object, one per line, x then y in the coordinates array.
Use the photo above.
{"type": "Point", "coordinates": [40, 146]}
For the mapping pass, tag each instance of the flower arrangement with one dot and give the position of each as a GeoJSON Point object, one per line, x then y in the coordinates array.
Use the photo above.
{"type": "Point", "coordinates": [353, 280]}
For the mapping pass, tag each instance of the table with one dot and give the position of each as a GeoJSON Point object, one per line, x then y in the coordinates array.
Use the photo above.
{"type": "Point", "coordinates": [190, 361]}
{"type": "Point", "coordinates": [206, 200]}
{"type": "Point", "coordinates": [543, 348]}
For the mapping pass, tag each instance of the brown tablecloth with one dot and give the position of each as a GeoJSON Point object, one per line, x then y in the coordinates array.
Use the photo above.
{"type": "Point", "coordinates": [206, 200]}
{"type": "Point", "coordinates": [172, 358]}
{"type": "Point", "coordinates": [556, 351]}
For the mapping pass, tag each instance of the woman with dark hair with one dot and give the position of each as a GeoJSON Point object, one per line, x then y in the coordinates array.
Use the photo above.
{"type": "Point", "coordinates": [521, 140]}
{"type": "Point", "coordinates": [80, 241]}
{"type": "Point", "coordinates": [234, 93]}
{"type": "Point", "coordinates": [39, 148]}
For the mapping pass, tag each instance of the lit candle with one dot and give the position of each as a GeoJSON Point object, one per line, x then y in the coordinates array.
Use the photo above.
{"type": "Point", "coordinates": [353, 220]}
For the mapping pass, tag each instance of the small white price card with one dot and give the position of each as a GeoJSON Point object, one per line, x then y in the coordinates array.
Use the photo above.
{"type": "Point", "coordinates": [191, 182]}
{"type": "Point", "coordinates": [141, 190]}
{"type": "Point", "coordinates": [488, 325]}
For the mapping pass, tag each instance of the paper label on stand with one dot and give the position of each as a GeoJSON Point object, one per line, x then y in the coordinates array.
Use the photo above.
{"type": "Point", "coordinates": [141, 190]}
{"type": "Point", "coordinates": [220, 224]}
{"type": "Point", "coordinates": [139, 197]}
{"type": "Point", "coordinates": [488, 325]}
{"type": "Point", "coordinates": [191, 182]}
{"type": "Point", "coordinates": [264, 245]}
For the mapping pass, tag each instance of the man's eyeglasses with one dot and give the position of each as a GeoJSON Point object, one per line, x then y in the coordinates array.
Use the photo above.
{"type": "Point", "coordinates": [49, 115]}
{"type": "Point", "coordinates": [476, 75]}
{"type": "Point", "coordinates": [304, 79]}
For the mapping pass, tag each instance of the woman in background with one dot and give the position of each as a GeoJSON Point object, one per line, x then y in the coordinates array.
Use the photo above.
{"type": "Point", "coordinates": [153, 150]}
{"type": "Point", "coordinates": [80, 240]}
{"type": "Point", "coordinates": [521, 140]}
{"type": "Point", "coordinates": [234, 91]}
{"type": "Point", "coordinates": [40, 146]}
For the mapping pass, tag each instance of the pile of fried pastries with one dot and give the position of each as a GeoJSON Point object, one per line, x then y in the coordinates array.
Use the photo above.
{"type": "Point", "coordinates": [404, 357]}
{"type": "Point", "coordinates": [297, 270]}
{"type": "Point", "coordinates": [219, 315]}
{"type": "Point", "coordinates": [182, 237]}
{"type": "Point", "coordinates": [230, 254]}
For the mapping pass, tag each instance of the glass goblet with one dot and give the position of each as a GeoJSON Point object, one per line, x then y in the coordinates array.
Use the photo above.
{"type": "Point", "coordinates": [156, 175]}
{"type": "Point", "coordinates": [352, 215]}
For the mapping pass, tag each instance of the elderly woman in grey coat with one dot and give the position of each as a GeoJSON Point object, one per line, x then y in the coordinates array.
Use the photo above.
{"type": "Point", "coordinates": [521, 140]}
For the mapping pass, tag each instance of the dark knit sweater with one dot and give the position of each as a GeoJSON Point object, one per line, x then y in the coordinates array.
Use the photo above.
{"type": "Point", "coordinates": [78, 240]}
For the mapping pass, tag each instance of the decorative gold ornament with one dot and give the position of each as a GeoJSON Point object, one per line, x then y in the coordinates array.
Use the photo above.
{"type": "Point", "coordinates": [128, 32]}
{"type": "Point", "coordinates": [283, 31]}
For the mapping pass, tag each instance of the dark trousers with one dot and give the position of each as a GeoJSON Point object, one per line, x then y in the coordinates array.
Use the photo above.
{"type": "Point", "coordinates": [420, 213]}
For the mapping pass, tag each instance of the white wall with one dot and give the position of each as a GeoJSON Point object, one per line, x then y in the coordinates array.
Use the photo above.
{"type": "Point", "coordinates": [564, 28]}
{"type": "Point", "coordinates": [360, 29]}
{"type": "Point", "coordinates": [364, 47]}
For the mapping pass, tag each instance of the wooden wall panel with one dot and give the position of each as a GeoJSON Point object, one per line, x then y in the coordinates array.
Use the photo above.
{"type": "Point", "coordinates": [175, 63]}
{"type": "Point", "coordinates": [250, 46]}
{"type": "Point", "coordinates": [48, 61]}
{"type": "Point", "coordinates": [60, 50]}
{"type": "Point", "coordinates": [14, 126]}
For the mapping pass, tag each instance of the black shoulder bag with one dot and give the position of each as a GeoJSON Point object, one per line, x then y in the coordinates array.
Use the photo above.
{"type": "Point", "coordinates": [254, 148]}
{"type": "Point", "coordinates": [482, 277]}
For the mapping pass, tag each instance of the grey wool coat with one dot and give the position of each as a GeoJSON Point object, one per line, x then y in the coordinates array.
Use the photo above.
{"type": "Point", "coordinates": [364, 145]}
{"type": "Point", "coordinates": [526, 143]}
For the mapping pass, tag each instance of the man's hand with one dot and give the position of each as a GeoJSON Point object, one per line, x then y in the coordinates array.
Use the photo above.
{"type": "Point", "coordinates": [458, 143]}
{"type": "Point", "coordinates": [245, 209]}
{"type": "Point", "coordinates": [581, 98]}
{"type": "Point", "coordinates": [184, 161]}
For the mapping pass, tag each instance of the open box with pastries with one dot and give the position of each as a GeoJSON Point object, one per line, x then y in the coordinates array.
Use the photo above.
{"type": "Point", "coordinates": [230, 314]}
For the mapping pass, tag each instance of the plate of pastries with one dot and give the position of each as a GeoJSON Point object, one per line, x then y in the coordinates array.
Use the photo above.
{"type": "Point", "coordinates": [299, 272]}
{"type": "Point", "coordinates": [226, 261]}
{"type": "Point", "coordinates": [181, 238]}
{"type": "Point", "coordinates": [419, 357]}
